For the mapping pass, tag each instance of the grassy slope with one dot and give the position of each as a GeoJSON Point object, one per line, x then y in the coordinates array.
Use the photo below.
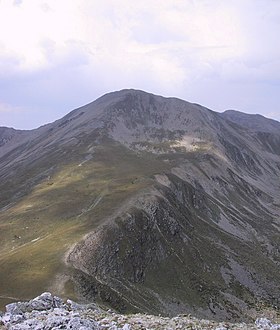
{"type": "Point", "coordinates": [59, 211]}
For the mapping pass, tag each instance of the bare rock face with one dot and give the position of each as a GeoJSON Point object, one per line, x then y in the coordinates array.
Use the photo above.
{"type": "Point", "coordinates": [179, 204]}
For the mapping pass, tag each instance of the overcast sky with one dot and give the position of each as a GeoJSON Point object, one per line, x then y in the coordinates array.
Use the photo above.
{"type": "Point", "coordinates": [56, 55]}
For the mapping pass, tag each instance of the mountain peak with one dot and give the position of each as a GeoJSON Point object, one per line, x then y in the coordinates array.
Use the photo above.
{"type": "Point", "coordinates": [146, 203]}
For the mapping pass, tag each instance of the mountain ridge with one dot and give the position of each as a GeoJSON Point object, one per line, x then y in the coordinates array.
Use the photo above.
{"type": "Point", "coordinates": [257, 123]}
{"type": "Point", "coordinates": [153, 183]}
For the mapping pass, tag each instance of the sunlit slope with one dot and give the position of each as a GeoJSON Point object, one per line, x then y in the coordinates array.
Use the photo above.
{"type": "Point", "coordinates": [37, 230]}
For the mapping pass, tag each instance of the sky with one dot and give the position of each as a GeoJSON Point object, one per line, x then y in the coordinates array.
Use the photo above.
{"type": "Point", "coordinates": [57, 55]}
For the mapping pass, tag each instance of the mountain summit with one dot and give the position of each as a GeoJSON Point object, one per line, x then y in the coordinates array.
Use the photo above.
{"type": "Point", "coordinates": [143, 203]}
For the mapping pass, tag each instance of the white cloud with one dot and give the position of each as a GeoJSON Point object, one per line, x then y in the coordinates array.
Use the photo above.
{"type": "Point", "coordinates": [72, 51]}
{"type": "Point", "coordinates": [7, 108]}
{"type": "Point", "coordinates": [118, 30]}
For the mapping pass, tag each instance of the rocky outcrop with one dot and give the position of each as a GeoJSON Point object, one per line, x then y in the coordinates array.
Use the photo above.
{"type": "Point", "coordinates": [48, 312]}
{"type": "Point", "coordinates": [176, 249]}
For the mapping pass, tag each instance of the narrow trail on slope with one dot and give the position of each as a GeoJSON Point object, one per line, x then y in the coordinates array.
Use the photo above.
{"type": "Point", "coordinates": [15, 250]}
{"type": "Point", "coordinates": [8, 297]}
{"type": "Point", "coordinates": [97, 200]}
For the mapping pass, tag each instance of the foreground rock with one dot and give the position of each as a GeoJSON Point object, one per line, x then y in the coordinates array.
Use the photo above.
{"type": "Point", "coordinates": [48, 312]}
{"type": "Point", "coordinates": [45, 312]}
